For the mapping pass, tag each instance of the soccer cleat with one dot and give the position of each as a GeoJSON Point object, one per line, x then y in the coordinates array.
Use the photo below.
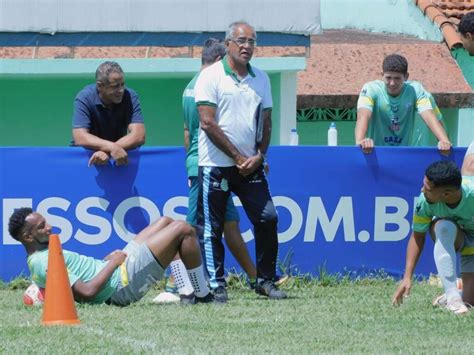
{"type": "Point", "coordinates": [220, 295]}
{"type": "Point", "coordinates": [268, 288]}
{"type": "Point", "coordinates": [441, 300]}
{"type": "Point", "coordinates": [457, 306]}
{"type": "Point", "coordinates": [187, 300]}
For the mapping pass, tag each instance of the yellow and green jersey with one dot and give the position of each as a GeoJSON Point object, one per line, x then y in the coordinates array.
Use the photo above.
{"type": "Point", "coordinates": [79, 267]}
{"type": "Point", "coordinates": [393, 118]}
{"type": "Point", "coordinates": [462, 214]}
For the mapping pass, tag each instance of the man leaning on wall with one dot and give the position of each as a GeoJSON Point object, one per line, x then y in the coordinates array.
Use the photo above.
{"type": "Point", "coordinates": [107, 117]}
{"type": "Point", "coordinates": [387, 108]}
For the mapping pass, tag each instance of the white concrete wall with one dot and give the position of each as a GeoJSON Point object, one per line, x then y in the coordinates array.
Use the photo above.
{"type": "Point", "coordinates": [287, 106]}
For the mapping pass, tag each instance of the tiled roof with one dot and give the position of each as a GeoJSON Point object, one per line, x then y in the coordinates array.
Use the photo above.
{"type": "Point", "coordinates": [447, 14]}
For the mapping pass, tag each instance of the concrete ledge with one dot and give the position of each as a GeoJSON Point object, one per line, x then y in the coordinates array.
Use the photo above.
{"type": "Point", "coordinates": [162, 67]}
{"type": "Point", "coordinates": [444, 100]}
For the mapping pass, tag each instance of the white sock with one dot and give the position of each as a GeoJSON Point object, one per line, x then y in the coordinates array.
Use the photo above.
{"type": "Point", "coordinates": [445, 256]}
{"type": "Point", "coordinates": [198, 281]}
{"type": "Point", "coordinates": [181, 279]}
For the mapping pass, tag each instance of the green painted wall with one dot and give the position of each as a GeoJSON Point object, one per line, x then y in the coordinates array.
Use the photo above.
{"type": "Point", "coordinates": [37, 110]}
{"type": "Point", "coordinates": [316, 133]}
{"type": "Point", "coordinates": [466, 63]}
{"type": "Point", "coordinates": [161, 105]}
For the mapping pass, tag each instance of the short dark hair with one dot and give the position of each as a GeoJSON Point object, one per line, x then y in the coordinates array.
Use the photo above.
{"type": "Point", "coordinates": [212, 49]}
{"type": "Point", "coordinates": [17, 221]}
{"type": "Point", "coordinates": [444, 173]}
{"type": "Point", "coordinates": [103, 71]}
{"type": "Point", "coordinates": [467, 23]}
{"type": "Point", "coordinates": [396, 63]}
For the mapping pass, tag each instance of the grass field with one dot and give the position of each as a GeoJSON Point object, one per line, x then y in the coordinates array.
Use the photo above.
{"type": "Point", "coordinates": [340, 317]}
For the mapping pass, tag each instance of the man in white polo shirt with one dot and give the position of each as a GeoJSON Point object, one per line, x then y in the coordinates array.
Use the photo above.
{"type": "Point", "coordinates": [234, 102]}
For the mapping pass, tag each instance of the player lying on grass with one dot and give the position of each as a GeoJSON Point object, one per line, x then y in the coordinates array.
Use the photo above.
{"type": "Point", "coordinates": [124, 276]}
{"type": "Point", "coordinates": [445, 208]}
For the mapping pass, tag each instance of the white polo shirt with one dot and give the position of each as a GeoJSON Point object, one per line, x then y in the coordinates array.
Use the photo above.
{"type": "Point", "coordinates": [236, 103]}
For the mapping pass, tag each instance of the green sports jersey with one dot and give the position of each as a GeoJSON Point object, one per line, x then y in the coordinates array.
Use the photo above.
{"type": "Point", "coordinates": [79, 267]}
{"type": "Point", "coordinates": [191, 120]}
{"type": "Point", "coordinates": [462, 214]}
{"type": "Point", "coordinates": [393, 118]}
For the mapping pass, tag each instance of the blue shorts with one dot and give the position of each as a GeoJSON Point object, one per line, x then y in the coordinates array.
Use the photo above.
{"type": "Point", "coordinates": [231, 213]}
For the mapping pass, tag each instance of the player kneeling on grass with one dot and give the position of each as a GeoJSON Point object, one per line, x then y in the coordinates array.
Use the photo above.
{"type": "Point", "coordinates": [446, 208]}
{"type": "Point", "coordinates": [124, 276]}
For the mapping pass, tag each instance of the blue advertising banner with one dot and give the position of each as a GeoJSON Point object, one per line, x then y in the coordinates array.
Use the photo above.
{"type": "Point", "coordinates": [339, 209]}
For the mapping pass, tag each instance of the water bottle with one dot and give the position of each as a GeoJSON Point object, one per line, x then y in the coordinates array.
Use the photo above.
{"type": "Point", "coordinates": [294, 137]}
{"type": "Point", "coordinates": [332, 135]}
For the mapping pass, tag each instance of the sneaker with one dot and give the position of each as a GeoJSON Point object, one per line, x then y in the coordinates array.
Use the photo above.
{"type": "Point", "coordinates": [268, 288]}
{"type": "Point", "coordinates": [457, 306]}
{"type": "Point", "coordinates": [206, 299]}
{"type": "Point", "coordinates": [278, 280]}
{"type": "Point", "coordinates": [220, 295]}
{"type": "Point", "coordinates": [440, 301]}
{"type": "Point", "coordinates": [187, 300]}
{"type": "Point", "coordinates": [191, 299]}
{"type": "Point", "coordinates": [166, 297]}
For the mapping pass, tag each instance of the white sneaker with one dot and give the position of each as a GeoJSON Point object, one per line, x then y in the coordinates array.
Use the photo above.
{"type": "Point", "coordinates": [166, 297]}
{"type": "Point", "coordinates": [457, 306]}
{"type": "Point", "coordinates": [440, 301]}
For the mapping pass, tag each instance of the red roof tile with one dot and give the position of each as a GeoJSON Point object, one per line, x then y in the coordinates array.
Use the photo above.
{"type": "Point", "coordinates": [447, 14]}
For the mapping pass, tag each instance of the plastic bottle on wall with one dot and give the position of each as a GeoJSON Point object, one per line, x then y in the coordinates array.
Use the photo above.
{"type": "Point", "coordinates": [294, 140]}
{"type": "Point", "coordinates": [332, 135]}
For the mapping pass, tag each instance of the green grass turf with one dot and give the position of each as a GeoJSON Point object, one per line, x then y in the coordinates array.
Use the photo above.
{"type": "Point", "coordinates": [342, 317]}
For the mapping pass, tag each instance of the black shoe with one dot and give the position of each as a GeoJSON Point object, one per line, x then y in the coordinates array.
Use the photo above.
{"type": "Point", "coordinates": [206, 299]}
{"type": "Point", "coordinates": [191, 299]}
{"type": "Point", "coordinates": [268, 288]}
{"type": "Point", "coordinates": [187, 300]}
{"type": "Point", "coordinates": [220, 295]}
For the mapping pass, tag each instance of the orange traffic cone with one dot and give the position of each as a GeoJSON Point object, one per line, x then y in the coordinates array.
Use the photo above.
{"type": "Point", "coordinates": [59, 307]}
